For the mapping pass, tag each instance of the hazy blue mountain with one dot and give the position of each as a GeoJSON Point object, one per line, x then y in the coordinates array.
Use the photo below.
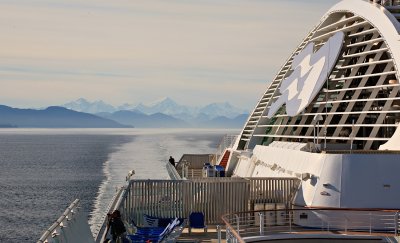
{"type": "Point", "coordinates": [215, 110]}
{"type": "Point", "coordinates": [166, 106]}
{"type": "Point", "coordinates": [125, 107]}
{"type": "Point", "coordinates": [86, 106]}
{"type": "Point", "coordinates": [225, 122]}
{"type": "Point", "coordinates": [141, 120]}
{"type": "Point", "coordinates": [53, 117]}
{"type": "Point", "coordinates": [160, 120]}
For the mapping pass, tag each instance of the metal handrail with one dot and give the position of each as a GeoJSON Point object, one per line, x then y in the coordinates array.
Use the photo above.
{"type": "Point", "coordinates": [173, 174]}
{"type": "Point", "coordinates": [67, 215]}
{"type": "Point", "coordinates": [226, 142]}
{"type": "Point", "coordinates": [114, 204]}
{"type": "Point", "coordinates": [265, 222]}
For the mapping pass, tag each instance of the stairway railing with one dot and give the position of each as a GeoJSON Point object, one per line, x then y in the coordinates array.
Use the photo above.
{"type": "Point", "coordinates": [227, 142]}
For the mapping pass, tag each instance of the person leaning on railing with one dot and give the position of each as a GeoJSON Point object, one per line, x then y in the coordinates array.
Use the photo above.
{"type": "Point", "coordinates": [172, 160]}
{"type": "Point", "coordinates": [118, 230]}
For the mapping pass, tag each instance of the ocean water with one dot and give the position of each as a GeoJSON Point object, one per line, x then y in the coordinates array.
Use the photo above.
{"type": "Point", "coordinates": [43, 170]}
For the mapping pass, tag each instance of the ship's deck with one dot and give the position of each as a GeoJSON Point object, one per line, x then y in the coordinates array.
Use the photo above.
{"type": "Point", "coordinates": [198, 235]}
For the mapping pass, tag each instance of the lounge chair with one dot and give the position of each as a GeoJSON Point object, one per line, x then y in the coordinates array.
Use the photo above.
{"type": "Point", "coordinates": [196, 221]}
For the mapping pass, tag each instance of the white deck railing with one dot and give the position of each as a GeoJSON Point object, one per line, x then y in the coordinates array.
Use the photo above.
{"type": "Point", "coordinates": [248, 226]}
{"type": "Point", "coordinates": [173, 174]}
{"type": "Point", "coordinates": [212, 196]}
{"type": "Point", "coordinates": [72, 226]}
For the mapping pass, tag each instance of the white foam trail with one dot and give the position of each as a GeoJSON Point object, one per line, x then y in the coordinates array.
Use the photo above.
{"type": "Point", "coordinates": [97, 217]}
{"type": "Point", "coordinates": [147, 154]}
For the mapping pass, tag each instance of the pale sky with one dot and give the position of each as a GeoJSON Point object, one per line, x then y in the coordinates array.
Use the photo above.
{"type": "Point", "coordinates": [129, 51]}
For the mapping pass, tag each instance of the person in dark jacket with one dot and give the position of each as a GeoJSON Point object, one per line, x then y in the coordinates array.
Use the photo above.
{"type": "Point", "coordinates": [116, 225]}
{"type": "Point", "coordinates": [172, 160]}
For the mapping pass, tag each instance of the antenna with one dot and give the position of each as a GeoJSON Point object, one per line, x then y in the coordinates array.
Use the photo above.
{"type": "Point", "coordinates": [326, 97]}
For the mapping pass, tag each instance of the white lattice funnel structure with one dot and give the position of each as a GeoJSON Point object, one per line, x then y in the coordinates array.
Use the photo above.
{"type": "Point", "coordinates": [330, 115]}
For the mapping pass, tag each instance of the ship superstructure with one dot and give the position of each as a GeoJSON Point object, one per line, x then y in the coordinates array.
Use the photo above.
{"type": "Point", "coordinates": [358, 100]}
{"type": "Point", "coordinates": [330, 115]}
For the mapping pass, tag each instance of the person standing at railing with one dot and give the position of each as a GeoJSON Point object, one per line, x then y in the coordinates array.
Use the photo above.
{"type": "Point", "coordinates": [117, 227]}
{"type": "Point", "coordinates": [172, 160]}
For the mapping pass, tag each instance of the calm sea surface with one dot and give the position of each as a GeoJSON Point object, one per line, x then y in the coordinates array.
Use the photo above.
{"type": "Point", "coordinates": [43, 170]}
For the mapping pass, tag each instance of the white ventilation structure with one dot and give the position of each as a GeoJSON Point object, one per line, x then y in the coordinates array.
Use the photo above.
{"type": "Point", "coordinates": [359, 101]}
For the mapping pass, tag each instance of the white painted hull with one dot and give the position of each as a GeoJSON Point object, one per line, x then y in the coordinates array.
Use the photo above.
{"type": "Point", "coordinates": [337, 180]}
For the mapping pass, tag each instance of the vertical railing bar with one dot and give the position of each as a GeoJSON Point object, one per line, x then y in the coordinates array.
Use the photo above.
{"type": "Point", "coordinates": [152, 196]}
{"type": "Point", "coordinates": [166, 207]}
{"type": "Point", "coordinates": [269, 189]}
{"type": "Point", "coordinates": [173, 212]}
{"type": "Point", "coordinates": [171, 208]}
{"type": "Point", "coordinates": [178, 190]}
{"type": "Point", "coordinates": [208, 187]}
{"type": "Point", "coordinates": [213, 194]}
{"type": "Point", "coordinates": [290, 221]}
{"type": "Point", "coordinates": [160, 199]}
{"type": "Point", "coordinates": [237, 223]}
{"type": "Point", "coordinates": [183, 192]}
{"type": "Point", "coordinates": [171, 190]}
{"type": "Point", "coordinates": [370, 223]}
{"type": "Point", "coordinates": [149, 198]}
{"type": "Point", "coordinates": [261, 215]}
{"type": "Point", "coordinates": [137, 191]}
{"type": "Point", "coordinates": [219, 233]}
{"type": "Point", "coordinates": [202, 199]}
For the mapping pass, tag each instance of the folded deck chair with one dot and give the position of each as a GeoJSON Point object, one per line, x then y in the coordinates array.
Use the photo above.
{"type": "Point", "coordinates": [152, 221]}
{"type": "Point", "coordinates": [153, 234]}
{"type": "Point", "coordinates": [175, 233]}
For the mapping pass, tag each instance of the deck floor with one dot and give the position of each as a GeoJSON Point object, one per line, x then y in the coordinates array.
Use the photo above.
{"type": "Point", "coordinates": [198, 235]}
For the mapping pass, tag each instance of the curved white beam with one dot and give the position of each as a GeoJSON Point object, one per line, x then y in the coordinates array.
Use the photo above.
{"type": "Point", "coordinates": [387, 25]}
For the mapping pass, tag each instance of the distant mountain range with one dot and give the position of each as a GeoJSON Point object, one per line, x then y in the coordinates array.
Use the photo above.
{"type": "Point", "coordinates": [83, 105]}
{"type": "Point", "coordinates": [164, 113]}
{"type": "Point", "coordinates": [166, 106]}
{"type": "Point", "coordinates": [52, 117]}
{"type": "Point", "coordinates": [139, 119]}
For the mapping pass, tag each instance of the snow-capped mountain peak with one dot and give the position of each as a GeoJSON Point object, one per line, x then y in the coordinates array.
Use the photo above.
{"type": "Point", "coordinates": [164, 105]}
{"type": "Point", "coordinates": [84, 105]}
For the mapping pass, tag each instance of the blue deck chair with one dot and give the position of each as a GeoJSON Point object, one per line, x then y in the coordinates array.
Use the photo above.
{"type": "Point", "coordinates": [153, 234]}
{"type": "Point", "coordinates": [196, 220]}
{"type": "Point", "coordinates": [158, 222]}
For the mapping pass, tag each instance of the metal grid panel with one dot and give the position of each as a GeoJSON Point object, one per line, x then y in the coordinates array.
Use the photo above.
{"type": "Point", "coordinates": [214, 197]}
{"type": "Point", "coordinates": [359, 103]}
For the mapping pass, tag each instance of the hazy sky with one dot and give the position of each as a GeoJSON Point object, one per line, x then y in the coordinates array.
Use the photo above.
{"type": "Point", "coordinates": [194, 51]}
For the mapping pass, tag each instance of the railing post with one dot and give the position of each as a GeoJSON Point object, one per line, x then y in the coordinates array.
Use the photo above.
{"type": "Point", "coordinates": [396, 223]}
{"type": "Point", "coordinates": [370, 223]}
{"type": "Point", "coordinates": [237, 223]}
{"type": "Point", "coordinates": [261, 223]}
{"type": "Point", "coordinates": [219, 233]}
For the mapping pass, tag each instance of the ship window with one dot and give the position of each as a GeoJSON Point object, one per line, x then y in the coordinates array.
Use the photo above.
{"type": "Point", "coordinates": [303, 216]}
